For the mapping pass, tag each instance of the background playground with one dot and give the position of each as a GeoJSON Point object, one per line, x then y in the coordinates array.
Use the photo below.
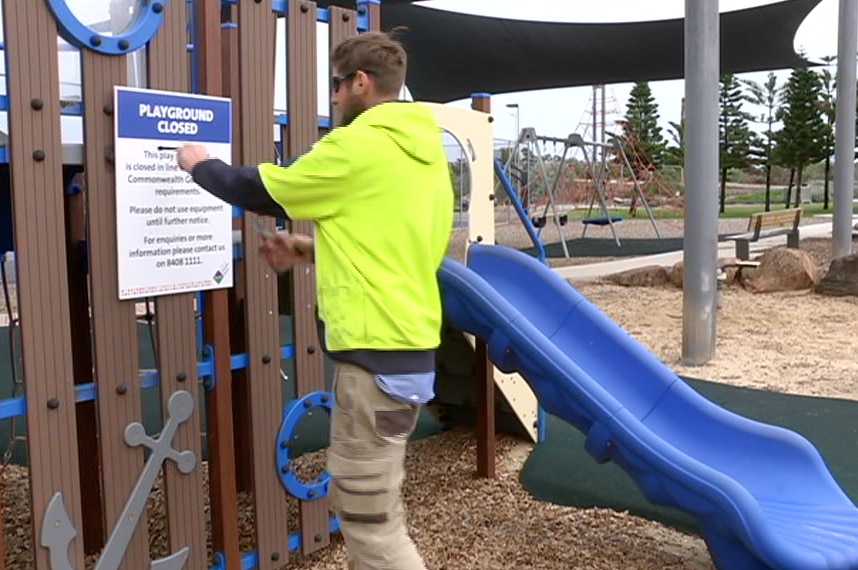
{"type": "Point", "coordinates": [774, 136]}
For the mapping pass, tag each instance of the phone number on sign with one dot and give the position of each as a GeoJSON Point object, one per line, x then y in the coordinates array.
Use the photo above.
{"type": "Point", "coordinates": [178, 262]}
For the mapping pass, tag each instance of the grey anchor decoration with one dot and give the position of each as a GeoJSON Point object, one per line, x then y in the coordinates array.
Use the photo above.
{"type": "Point", "coordinates": [58, 530]}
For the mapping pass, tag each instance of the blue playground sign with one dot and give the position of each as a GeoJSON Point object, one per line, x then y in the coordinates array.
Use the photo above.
{"type": "Point", "coordinates": [157, 115]}
{"type": "Point", "coordinates": [172, 236]}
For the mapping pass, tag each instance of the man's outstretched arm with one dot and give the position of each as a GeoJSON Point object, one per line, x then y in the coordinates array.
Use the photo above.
{"type": "Point", "coordinates": [312, 188]}
{"type": "Point", "coordinates": [240, 186]}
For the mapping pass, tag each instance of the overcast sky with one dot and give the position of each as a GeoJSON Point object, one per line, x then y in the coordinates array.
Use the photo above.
{"type": "Point", "coordinates": [555, 112]}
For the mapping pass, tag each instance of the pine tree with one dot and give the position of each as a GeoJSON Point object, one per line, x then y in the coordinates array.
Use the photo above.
{"type": "Point", "coordinates": [641, 130]}
{"type": "Point", "coordinates": [802, 139]}
{"type": "Point", "coordinates": [766, 95]}
{"type": "Point", "coordinates": [734, 132]}
{"type": "Point", "coordinates": [674, 155]}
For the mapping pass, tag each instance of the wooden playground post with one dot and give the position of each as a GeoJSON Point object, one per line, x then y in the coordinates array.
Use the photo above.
{"type": "Point", "coordinates": [259, 396]}
{"type": "Point", "coordinates": [35, 150]}
{"type": "Point", "coordinates": [373, 8]}
{"type": "Point", "coordinates": [301, 133]}
{"type": "Point", "coordinates": [484, 375]}
{"type": "Point", "coordinates": [87, 420]}
{"type": "Point", "coordinates": [222, 481]}
{"type": "Point", "coordinates": [230, 49]}
{"type": "Point", "coordinates": [176, 325]}
{"type": "Point", "coordinates": [2, 520]}
{"type": "Point", "coordinates": [114, 322]}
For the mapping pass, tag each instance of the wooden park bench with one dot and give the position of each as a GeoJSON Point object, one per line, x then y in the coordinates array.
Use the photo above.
{"type": "Point", "coordinates": [768, 224]}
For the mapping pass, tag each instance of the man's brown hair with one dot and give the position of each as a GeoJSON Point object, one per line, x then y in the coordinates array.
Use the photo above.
{"type": "Point", "coordinates": [375, 53]}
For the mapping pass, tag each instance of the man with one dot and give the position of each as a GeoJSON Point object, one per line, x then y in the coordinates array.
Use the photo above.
{"type": "Point", "coordinates": [379, 192]}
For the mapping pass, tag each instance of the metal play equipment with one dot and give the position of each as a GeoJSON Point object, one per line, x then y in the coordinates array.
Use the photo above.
{"type": "Point", "coordinates": [532, 146]}
{"type": "Point", "coordinates": [600, 179]}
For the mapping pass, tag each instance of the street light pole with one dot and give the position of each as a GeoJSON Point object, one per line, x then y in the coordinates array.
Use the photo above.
{"type": "Point", "coordinates": [517, 109]}
{"type": "Point", "coordinates": [517, 118]}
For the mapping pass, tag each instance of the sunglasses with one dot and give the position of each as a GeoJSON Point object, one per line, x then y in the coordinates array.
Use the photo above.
{"type": "Point", "coordinates": [338, 80]}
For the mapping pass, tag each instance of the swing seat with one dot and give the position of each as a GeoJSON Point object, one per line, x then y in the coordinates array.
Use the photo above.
{"type": "Point", "coordinates": [602, 221]}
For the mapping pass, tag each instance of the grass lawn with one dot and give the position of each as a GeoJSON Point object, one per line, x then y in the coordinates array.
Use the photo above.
{"type": "Point", "coordinates": [759, 197]}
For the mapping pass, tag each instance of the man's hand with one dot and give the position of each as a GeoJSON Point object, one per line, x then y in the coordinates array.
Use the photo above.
{"type": "Point", "coordinates": [284, 250]}
{"type": "Point", "coordinates": [190, 155]}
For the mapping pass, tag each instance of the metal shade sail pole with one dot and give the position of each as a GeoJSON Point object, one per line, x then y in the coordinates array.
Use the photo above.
{"type": "Point", "coordinates": [844, 144]}
{"type": "Point", "coordinates": [702, 69]}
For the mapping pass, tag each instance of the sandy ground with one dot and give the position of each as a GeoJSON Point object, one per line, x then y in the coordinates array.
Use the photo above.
{"type": "Point", "coordinates": [796, 343]}
{"type": "Point", "coordinates": [799, 343]}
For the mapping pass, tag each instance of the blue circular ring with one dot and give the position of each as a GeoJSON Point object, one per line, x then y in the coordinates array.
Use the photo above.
{"type": "Point", "coordinates": [292, 414]}
{"type": "Point", "coordinates": [140, 33]}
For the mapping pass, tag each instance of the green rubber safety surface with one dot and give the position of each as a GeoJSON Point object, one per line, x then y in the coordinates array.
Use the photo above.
{"type": "Point", "coordinates": [560, 471]}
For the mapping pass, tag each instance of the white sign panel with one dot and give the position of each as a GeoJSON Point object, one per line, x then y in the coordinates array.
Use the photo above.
{"type": "Point", "coordinates": [172, 236]}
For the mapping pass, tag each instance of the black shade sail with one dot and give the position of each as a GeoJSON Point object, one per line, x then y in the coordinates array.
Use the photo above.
{"type": "Point", "coordinates": [453, 55]}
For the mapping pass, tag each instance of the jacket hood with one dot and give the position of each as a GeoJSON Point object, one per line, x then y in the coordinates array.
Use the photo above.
{"type": "Point", "coordinates": [411, 126]}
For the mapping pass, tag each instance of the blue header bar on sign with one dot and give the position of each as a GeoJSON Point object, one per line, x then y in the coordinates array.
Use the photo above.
{"type": "Point", "coordinates": [156, 115]}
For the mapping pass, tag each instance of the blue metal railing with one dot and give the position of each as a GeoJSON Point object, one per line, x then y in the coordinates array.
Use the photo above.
{"type": "Point", "coordinates": [519, 209]}
{"type": "Point", "coordinates": [13, 407]}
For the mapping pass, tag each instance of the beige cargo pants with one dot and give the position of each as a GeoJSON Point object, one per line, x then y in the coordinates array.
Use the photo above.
{"type": "Point", "coordinates": [366, 462]}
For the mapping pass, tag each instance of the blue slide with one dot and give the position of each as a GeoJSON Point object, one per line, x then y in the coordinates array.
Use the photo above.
{"type": "Point", "coordinates": [762, 495]}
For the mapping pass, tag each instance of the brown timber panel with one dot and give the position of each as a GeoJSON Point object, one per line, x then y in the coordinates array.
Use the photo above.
{"type": "Point", "coordinates": [374, 14]}
{"type": "Point", "coordinates": [2, 536]}
{"type": "Point", "coordinates": [486, 465]}
{"type": "Point", "coordinates": [221, 443]}
{"type": "Point", "coordinates": [241, 402]}
{"type": "Point", "coordinates": [256, 37]}
{"type": "Point", "coordinates": [87, 418]}
{"type": "Point", "coordinates": [113, 321]}
{"type": "Point", "coordinates": [38, 214]}
{"type": "Point", "coordinates": [176, 325]}
{"type": "Point", "coordinates": [343, 25]}
{"type": "Point", "coordinates": [303, 132]}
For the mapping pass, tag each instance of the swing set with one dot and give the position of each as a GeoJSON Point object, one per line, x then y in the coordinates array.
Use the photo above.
{"type": "Point", "coordinates": [532, 147]}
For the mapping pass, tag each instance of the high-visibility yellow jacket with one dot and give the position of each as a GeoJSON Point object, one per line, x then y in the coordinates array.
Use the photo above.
{"type": "Point", "coordinates": [380, 193]}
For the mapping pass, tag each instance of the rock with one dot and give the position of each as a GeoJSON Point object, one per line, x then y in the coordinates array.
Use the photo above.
{"type": "Point", "coordinates": [782, 269]}
{"type": "Point", "coordinates": [841, 279]}
{"type": "Point", "coordinates": [648, 276]}
{"type": "Point", "coordinates": [676, 273]}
